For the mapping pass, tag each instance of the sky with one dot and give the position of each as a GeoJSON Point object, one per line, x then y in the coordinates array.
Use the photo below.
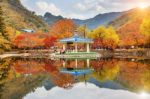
{"type": "Point", "coordinates": [81, 9]}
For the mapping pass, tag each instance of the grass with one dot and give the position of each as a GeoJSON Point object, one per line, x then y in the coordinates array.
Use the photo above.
{"type": "Point", "coordinates": [77, 53]}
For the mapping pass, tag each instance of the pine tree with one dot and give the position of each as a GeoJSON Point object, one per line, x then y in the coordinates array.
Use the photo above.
{"type": "Point", "coordinates": [2, 26]}
{"type": "Point", "coordinates": [4, 38]}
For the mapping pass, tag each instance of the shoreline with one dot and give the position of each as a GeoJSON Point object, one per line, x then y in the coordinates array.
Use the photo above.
{"type": "Point", "coordinates": [118, 53]}
{"type": "Point", "coordinates": [13, 55]}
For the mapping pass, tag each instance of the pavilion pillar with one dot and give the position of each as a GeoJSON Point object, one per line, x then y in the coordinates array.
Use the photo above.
{"type": "Point", "coordinates": [76, 47]}
{"type": "Point", "coordinates": [64, 64]}
{"type": "Point", "coordinates": [88, 63]}
{"type": "Point", "coordinates": [76, 62]}
{"type": "Point", "coordinates": [88, 47]}
{"type": "Point", "coordinates": [64, 47]}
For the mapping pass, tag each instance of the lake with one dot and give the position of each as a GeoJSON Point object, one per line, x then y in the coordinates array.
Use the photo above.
{"type": "Point", "coordinates": [104, 78]}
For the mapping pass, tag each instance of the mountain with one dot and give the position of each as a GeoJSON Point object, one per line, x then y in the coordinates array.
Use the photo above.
{"type": "Point", "coordinates": [18, 17]}
{"type": "Point", "coordinates": [101, 19]}
{"type": "Point", "coordinates": [130, 16]}
{"type": "Point", "coordinates": [128, 26]}
{"type": "Point", "coordinates": [50, 19]}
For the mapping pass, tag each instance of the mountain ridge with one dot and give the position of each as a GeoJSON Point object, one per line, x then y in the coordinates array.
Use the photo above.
{"type": "Point", "coordinates": [100, 19]}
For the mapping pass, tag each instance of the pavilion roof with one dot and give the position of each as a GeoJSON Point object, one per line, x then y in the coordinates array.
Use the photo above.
{"type": "Point", "coordinates": [76, 39]}
{"type": "Point", "coordinates": [77, 72]}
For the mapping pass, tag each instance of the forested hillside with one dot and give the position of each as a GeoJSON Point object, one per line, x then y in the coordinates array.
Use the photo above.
{"type": "Point", "coordinates": [129, 26]}
{"type": "Point", "coordinates": [130, 16]}
{"type": "Point", "coordinates": [18, 17]}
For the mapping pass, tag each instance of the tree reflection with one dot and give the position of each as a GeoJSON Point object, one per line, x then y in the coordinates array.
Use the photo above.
{"type": "Point", "coordinates": [44, 66]}
{"type": "Point", "coordinates": [4, 72]}
{"type": "Point", "coordinates": [29, 74]}
{"type": "Point", "coordinates": [105, 70]}
{"type": "Point", "coordinates": [133, 75]}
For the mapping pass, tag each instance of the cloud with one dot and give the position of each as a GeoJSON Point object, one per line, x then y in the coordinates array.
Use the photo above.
{"type": "Point", "coordinates": [80, 6]}
{"type": "Point", "coordinates": [93, 7]}
{"type": "Point", "coordinates": [47, 7]}
{"type": "Point", "coordinates": [74, 15]}
{"type": "Point", "coordinates": [105, 6]}
{"type": "Point", "coordinates": [80, 9]}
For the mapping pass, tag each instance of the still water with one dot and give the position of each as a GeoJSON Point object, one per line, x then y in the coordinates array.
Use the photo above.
{"type": "Point", "coordinates": [22, 78]}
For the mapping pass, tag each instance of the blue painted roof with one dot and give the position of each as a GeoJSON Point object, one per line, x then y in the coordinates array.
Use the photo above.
{"type": "Point", "coordinates": [76, 39]}
{"type": "Point", "coordinates": [77, 72]}
{"type": "Point", "coordinates": [28, 30]}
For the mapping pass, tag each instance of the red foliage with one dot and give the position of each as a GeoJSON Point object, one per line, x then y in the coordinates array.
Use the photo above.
{"type": "Point", "coordinates": [26, 40]}
{"type": "Point", "coordinates": [49, 41]}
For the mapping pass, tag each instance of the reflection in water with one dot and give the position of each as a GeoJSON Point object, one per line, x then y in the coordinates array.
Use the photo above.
{"type": "Point", "coordinates": [82, 91]}
{"type": "Point", "coordinates": [21, 77]}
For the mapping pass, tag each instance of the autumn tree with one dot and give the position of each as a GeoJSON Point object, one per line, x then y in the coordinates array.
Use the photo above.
{"type": "Point", "coordinates": [62, 28]}
{"type": "Point", "coordinates": [26, 40]}
{"type": "Point", "coordinates": [145, 29]}
{"type": "Point", "coordinates": [4, 38]}
{"type": "Point", "coordinates": [83, 31]}
{"type": "Point", "coordinates": [2, 25]}
{"type": "Point", "coordinates": [49, 41]}
{"type": "Point", "coordinates": [104, 37]}
{"type": "Point", "coordinates": [130, 34]}
{"type": "Point", "coordinates": [105, 70]}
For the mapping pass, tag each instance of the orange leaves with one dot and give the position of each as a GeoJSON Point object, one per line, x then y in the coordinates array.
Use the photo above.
{"type": "Point", "coordinates": [26, 40]}
{"type": "Point", "coordinates": [130, 34]}
{"type": "Point", "coordinates": [62, 28]}
{"type": "Point", "coordinates": [28, 67]}
{"type": "Point", "coordinates": [49, 41]}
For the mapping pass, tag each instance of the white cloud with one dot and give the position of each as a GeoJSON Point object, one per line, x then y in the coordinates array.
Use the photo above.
{"type": "Point", "coordinates": [83, 9]}
{"type": "Point", "coordinates": [47, 7]}
{"type": "Point", "coordinates": [80, 6]}
{"type": "Point", "coordinates": [74, 15]}
{"type": "Point", "coordinates": [90, 5]}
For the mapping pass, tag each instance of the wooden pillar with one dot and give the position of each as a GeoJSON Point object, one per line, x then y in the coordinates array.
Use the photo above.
{"type": "Point", "coordinates": [88, 63]}
{"type": "Point", "coordinates": [76, 63]}
{"type": "Point", "coordinates": [76, 47]}
{"type": "Point", "coordinates": [64, 64]}
{"type": "Point", "coordinates": [88, 47]}
{"type": "Point", "coordinates": [64, 47]}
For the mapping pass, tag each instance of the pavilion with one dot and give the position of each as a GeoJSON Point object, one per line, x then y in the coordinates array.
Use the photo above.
{"type": "Point", "coordinates": [76, 40]}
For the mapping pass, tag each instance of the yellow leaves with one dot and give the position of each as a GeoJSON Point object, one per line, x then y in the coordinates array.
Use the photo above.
{"type": "Point", "coordinates": [99, 32]}
{"type": "Point", "coordinates": [17, 33]}
{"type": "Point", "coordinates": [145, 27]}
{"type": "Point", "coordinates": [108, 36]}
{"type": "Point", "coordinates": [83, 31]}
{"type": "Point", "coordinates": [11, 32]}
{"type": "Point", "coordinates": [4, 44]}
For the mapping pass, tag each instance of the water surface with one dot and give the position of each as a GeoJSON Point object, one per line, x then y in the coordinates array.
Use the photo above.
{"type": "Point", "coordinates": [22, 78]}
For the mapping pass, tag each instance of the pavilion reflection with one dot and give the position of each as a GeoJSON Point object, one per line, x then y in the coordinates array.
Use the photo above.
{"type": "Point", "coordinates": [77, 67]}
